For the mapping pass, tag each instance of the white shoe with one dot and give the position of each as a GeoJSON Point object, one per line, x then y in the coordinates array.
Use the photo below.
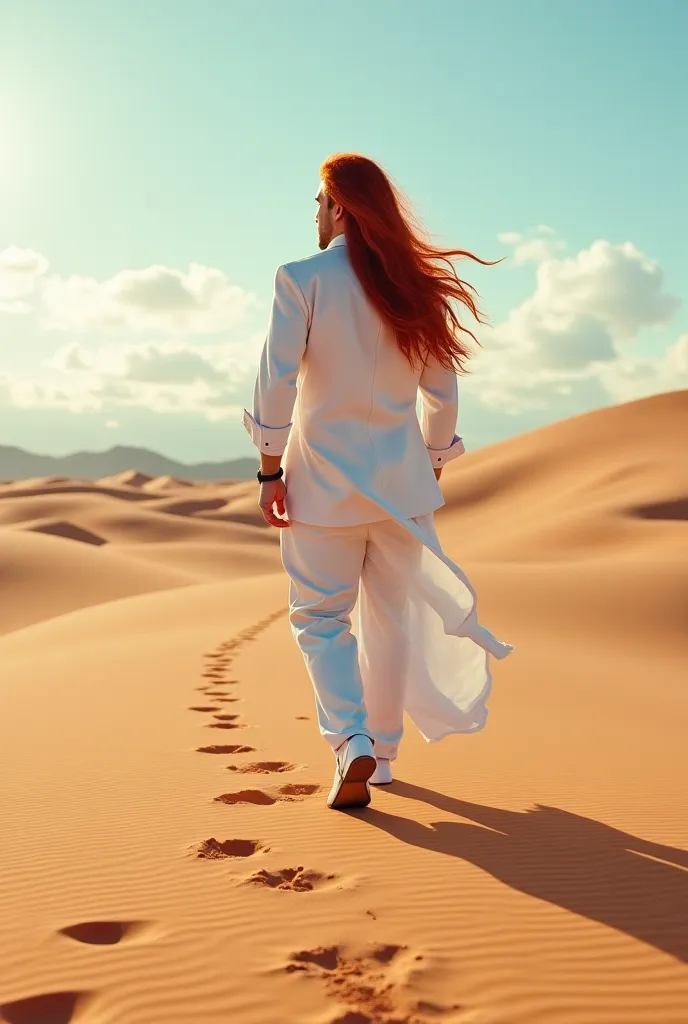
{"type": "Point", "coordinates": [355, 764]}
{"type": "Point", "coordinates": [382, 775]}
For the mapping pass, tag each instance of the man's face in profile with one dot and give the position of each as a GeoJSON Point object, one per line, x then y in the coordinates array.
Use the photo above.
{"type": "Point", "coordinates": [324, 218]}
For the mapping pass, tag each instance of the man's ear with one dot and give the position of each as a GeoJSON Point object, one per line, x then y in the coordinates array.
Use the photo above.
{"type": "Point", "coordinates": [338, 212]}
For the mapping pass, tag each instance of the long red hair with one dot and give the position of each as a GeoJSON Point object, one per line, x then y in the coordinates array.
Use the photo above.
{"type": "Point", "coordinates": [412, 283]}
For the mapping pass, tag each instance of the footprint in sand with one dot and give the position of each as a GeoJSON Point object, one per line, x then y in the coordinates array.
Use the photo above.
{"type": "Point", "coordinates": [51, 1008]}
{"type": "Point", "coordinates": [218, 849]}
{"type": "Point", "coordinates": [296, 789]}
{"type": "Point", "coordinates": [246, 796]}
{"type": "Point", "coordinates": [372, 985]}
{"type": "Point", "coordinates": [263, 767]}
{"type": "Point", "coordinates": [201, 707]}
{"type": "Point", "coordinates": [287, 794]}
{"type": "Point", "coordinates": [226, 748]}
{"type": "Point", "coordinates": [103, 933]}
{"type": "Point", "coordinates": [297, 879]}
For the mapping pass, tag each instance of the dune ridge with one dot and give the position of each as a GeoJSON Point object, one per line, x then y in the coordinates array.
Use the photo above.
{"type": "Point", "coordinates": [166, 853]}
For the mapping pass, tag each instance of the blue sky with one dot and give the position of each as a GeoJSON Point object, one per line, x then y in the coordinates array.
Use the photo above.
{"type": "Point", "coordinates": [158, 161]}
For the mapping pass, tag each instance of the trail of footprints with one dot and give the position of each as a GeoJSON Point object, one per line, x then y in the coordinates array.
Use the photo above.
{"type": "Point", "coordinates": [371, 984]}
{"type": "Point", "coordinates": [368, 987]}
{"type": "Point", "coordinates": [218, 675]}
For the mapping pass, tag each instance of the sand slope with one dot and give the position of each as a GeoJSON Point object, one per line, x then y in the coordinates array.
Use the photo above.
{"type": "Point", "coordinates": [166, 856]}
{"type": "Point", "coordinates": [70, 544]}
{"type": "Point", "coordinates": [609, 485]}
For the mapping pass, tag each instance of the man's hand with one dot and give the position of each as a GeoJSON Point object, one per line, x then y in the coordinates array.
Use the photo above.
{"type": "Point", "coordinates": [272, 495]}
{"type": "Point", "coordinates": [438, 472]}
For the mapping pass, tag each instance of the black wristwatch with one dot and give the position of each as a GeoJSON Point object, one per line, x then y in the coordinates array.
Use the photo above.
{"type": "Point", "coordinates": [264, 478]}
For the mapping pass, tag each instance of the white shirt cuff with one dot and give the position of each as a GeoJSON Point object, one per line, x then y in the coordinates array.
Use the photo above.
{"type": "Point", "coordinates": [439, 456]}
{"type": "Point", "coordinates": [271, 440]}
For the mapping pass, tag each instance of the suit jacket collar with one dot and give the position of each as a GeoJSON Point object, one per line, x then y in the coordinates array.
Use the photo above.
{"type": "Point", "coordinates": [337, 240]}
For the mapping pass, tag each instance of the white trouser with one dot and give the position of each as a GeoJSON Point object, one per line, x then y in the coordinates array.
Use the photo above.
{"type": "Point", "coordinates": [358, 684]}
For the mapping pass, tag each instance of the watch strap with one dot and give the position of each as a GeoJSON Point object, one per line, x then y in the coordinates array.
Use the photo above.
{"type": "Point", "coordinates": [268, 477]}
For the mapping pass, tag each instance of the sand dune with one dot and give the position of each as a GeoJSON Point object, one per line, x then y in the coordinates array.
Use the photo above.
{"type": "Point", "coordinates": [166, 854]}
{"type": "Point", "coordinates": [130, 478]}
{"type": "Point", "coordinates": [608, 485]}
{"type": "Point", "coordinates": [109, 541]}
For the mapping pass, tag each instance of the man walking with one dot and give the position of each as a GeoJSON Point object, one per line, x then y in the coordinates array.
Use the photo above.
{"type": "Point", "coordinates": [356, 331]}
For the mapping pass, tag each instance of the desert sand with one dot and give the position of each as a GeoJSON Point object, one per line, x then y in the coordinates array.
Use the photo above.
{"type": "Point", "coordinates": [166, 855]}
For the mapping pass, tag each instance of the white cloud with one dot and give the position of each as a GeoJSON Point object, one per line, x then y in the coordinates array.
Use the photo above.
{"type": "Point", "coordinates": [198, 301]}
{"type": "Point", "coordinates": [20, 273]}
{"type": "Point", "coordinates": [182, 366]}
{"type": "Point", "coordinates": [509, 237]}
{"type": "Point", "coordinates": [15, 308]}
{"type": "Point", "coordinates": [70, 358]}
{"type": "Point", "coordinates": [531, 247]}
{"type": "Point", "coordinates": [171, 362]}
{"type": "Point", "coordinates": [164, 375]}
{"type": "Point", "coordinates": [631, 378]}
{"type": "Point", "coordinates": [576, 331]}
{"type": "Point", "coordinates": [48, 394]}
{"type": "Point", "coordinates": [161, 377]}
{"type": "Point", "coordinates": [111, 393]}
{"type": "Point", "coordinates": [616, 284]}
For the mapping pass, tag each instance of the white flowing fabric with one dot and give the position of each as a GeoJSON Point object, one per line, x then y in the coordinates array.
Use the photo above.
{"type": "Point", "coordinates": [448, 677]}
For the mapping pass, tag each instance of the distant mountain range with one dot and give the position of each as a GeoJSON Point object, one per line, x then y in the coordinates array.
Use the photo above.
{"type": "Point", "coordinates": [18, 464]}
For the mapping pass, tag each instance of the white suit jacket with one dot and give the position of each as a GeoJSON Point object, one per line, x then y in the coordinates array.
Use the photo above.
{"type": "Point", "coordinates": [338, 398]}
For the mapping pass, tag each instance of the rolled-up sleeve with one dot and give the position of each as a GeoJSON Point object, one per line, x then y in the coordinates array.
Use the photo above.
{"type": "Point", "coordinates": [438, 456]}
{"type": "Point", "coordinates": [269, 423]}
{"type": "Point", "coordinates": [439, 412]}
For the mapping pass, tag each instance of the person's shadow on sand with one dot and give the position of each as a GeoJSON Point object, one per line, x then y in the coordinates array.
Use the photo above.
{"type": "Point", "coordinates": [599, 872]}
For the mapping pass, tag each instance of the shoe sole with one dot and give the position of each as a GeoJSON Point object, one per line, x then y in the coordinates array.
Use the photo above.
{"type": "Point", "coordinates": [353, 790]}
